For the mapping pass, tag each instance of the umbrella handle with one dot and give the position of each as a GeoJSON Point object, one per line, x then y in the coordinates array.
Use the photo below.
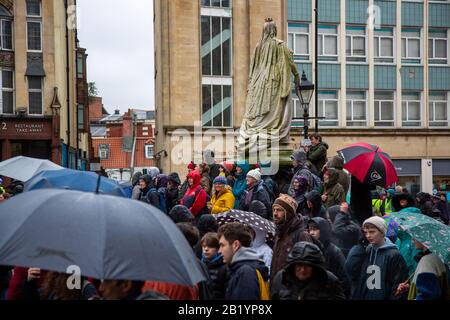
{"type": "Point", "coordinates": [97, 189]}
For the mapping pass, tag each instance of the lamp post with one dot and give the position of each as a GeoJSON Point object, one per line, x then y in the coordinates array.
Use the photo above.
{"type": "Point", "coordinates": [305, 95]}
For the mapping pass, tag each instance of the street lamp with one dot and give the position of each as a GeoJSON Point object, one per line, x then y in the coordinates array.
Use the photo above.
{"type": "Point", "coordinates": [305, 95]}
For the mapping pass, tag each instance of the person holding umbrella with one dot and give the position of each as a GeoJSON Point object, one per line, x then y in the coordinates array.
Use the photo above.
{"type": "Point", "coordinates": [430, 280]}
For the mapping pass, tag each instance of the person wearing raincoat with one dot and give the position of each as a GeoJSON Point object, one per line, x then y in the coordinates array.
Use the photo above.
{"type": "Point", "coordinates": [222, 199]}
{"type": "Point", "coordinates": [240, 184]}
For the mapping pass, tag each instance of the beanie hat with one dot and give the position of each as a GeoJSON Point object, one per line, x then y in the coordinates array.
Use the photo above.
{"type": "Point", "coordinates": [287, 203]}
{"type": "Point", "coordinates": [255, 174]}
{"type": "Point", "coordinates": [191, 166]}
{"type": "Point", "coordinates": [299, 156]}
{"type": "Point", "coordinates": [220, 179]}
{"type": "Point", "coordinates": [378, 222]}
{"type": "Point", "coordinates": [228, 166]}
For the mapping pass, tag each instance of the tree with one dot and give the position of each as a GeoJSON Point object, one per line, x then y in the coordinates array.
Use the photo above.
{"type": "Point", "coordinates": [92, 89]}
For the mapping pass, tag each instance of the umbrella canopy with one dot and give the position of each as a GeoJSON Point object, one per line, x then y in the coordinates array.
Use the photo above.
{"type": "Point", "coordinates": [107, 237]}
{"type": "Point", "coordinates": [260, 225]}
{"type": "Point", "coordinates": [369, 164]}
{"type": "Point", "coordinates": [24, 168]}
{"type": "Point", "coordinates": [74, 180]}
{"type": "Point", "coordinates": [428, 231]}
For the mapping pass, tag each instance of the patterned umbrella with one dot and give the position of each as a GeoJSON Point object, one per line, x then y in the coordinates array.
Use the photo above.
{"type": "Point", "coordinates": [428, 231]}
{"type": "Point", "coordinates": [250, 219]}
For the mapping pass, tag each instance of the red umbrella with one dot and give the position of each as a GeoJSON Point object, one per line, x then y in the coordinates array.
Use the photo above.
{"type": "Point", "coordinates": [369, 164]}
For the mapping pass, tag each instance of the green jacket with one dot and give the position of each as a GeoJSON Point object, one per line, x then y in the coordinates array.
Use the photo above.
{"type": "Point", "coordinates": [318, 155]}
{"type": "Point", "coordinates": [334, 191]}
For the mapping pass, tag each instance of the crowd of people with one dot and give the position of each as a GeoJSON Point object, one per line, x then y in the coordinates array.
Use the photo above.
{"type": "Point", "coordinates": [320, 250]}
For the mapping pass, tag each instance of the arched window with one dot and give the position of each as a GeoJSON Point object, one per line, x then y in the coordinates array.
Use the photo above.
{"type": "Point", "coordinates": [6, 29]}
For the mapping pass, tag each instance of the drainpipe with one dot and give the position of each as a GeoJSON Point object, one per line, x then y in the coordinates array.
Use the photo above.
{"type": "Point", "coordinates": [67, 84]}
{"type": "Point", "coordinates": [133, 152]}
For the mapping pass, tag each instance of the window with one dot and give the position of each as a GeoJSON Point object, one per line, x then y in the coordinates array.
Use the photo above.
{"type": "Point", "coordinates": [298, 40]}
{"type": "Point", "coordinates": [103, 151]}
{"type": "Point", "coordinates": [439, 109]}
{"type": "Point", "coordinates": [384, 45]}
{"type": "Point", "coordinates": [149, 151]}
{"type": "Point", "coordinates": [328, 108]}
{"type": "Point", "coordinates": [80, 66]}
{"type": "Point", "coordinates": [356, 109]}
{"type": "Point", "coordinates": [216, 46]}
{"type": "Point", "coordinates": [216, 55]}
{"type": "Point", "coordinates": [411, 113]}
{"type": "Point", "coordinates": [328, 43]}
{"type": "Point", "coordinates": [384, 109]}
{"type": "Point", "coordinates": [7, 97]}
{"type": "Point", "coordinates": [217, 106]}
{"type": "Point", "coordinates": [34, 32]}
{"type": "Point", "coordinates": [33, 8]}
{"type": "Point", "coordinates": [80, 117]}
{"type": "Point", "coordinates": [35, 99]}
{"type": "Point", "coordinates": [356, 44]}
{"type": "Point", "coordinates": [216, 3]}
{"type": "Point", "coordinates": [297, 113]}
{"type": "Point", "coordinates": [437, 47]}
{"type": "Point", "coordinates": [411, 46]}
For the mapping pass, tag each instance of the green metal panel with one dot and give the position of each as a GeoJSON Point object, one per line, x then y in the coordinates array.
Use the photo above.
{"type": "Point", "coordinates": [412, 14]}
{"type": "Point", "coordinates": [412, 78]}
{"type": "Point", "coordinates": [299, 10]}
{"type": "Point", "coordinates": [439, 15]}
{"type": "Point", "coordinates": [439, 78]}
{"type": "Point", "coordinates": [329, 76]}
{"type": "Point", "coordinates": [356, 11]}
{"type": "Point", "coordinates": [387, 12]}
{"type": "Point", "coordinates": [385, 77]}
{"type": "Point", "coordinates": [357, 76]}
{"type": "Point", "coordinates": [329, 11]}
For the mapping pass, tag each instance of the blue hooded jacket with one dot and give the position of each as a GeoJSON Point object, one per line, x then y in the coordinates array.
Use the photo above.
{"type": "Point", "coordinates": [240, 185]}
{"type": "Point", "coordinates": [362, 266]}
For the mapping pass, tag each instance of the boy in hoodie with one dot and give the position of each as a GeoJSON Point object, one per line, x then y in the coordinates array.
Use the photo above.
{"type": "Point", "coordinates": [248, 273]}
{"type": "Point", "coordinates": [218, 270]}
{"type": "Point", "coordinates": [376, 270]}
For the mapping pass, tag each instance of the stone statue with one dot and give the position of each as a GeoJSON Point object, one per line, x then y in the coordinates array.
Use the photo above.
{"type": "Point", "coordinates": [268, 113]}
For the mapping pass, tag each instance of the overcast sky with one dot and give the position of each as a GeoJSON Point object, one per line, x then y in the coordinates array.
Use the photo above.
{"type": "Point", "coordinates": [118, 36]}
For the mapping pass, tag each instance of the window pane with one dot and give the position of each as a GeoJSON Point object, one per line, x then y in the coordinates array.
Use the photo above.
{"type": "Point", "coordinates": [206, 46]}
{"type": "Point", "coordinates": [34, 36]}
{"type": "Point", "coordinates": [227, 106]}
{"type": "Point", "coordinates": [331, 110]}
{"type": "Point", "coordinates": [35, 101]}
{"type": "Point", "coordinates": [430, 48]}
{"type": "Point", "coordinates": [217, 52]}
{"type": "Point", "coordinates": [441, 111]}
{"type": "Point", "coordinates": [348, 46]}
{"type": "Point", "coordinates": [387, 111]}
{"type": "Point", "coordinates": [80, 117]}
{"type": "Point", "coordinates": [404, 48]}
{"type": "Point", "coordinates": [291, 41]}
{"type": "Point", "coordinates": [355, 95]}
{"type": "Point", "coordinates": [8, 102]}
{"type": "Point", "coordinates": [441, 49]}
{"type": "Point", "coordinates": [320, 44]}
{"type": "Point", "coordinates": [359, 46]}
{"type": "Point", "coordinates": [384, 95]}
{"type": "Point", "coordinates": [7, 79]}
{"type": "Point", "coordinates": [215, 3]}
{"type": "Point", "coordinates": [301, 44]}
{"type": "Point", "coordinates": [7, 34]}
{"type": "Point", "coordinates": [331, 45]}
{"type": "Point", "coordinates": [359, 110]}
{"type": "Point", "coordinates": [34, 7]}
{"type": "Point", "coordinates": [207, 106]}
{"type": "Point", "coordinates": [414, 111]}
{"type": "Point", "coordinates": [205, 3]}
{"type": "Point", "coordinates": [35, 83]}
{"type": "Point", "coordinates": [387, 47]}
{"type": "Point", "coordinates": [226, 46]}
{"type": "Point", "coordinates": [414, 48]}
{"type": "Point", "coordinates": [377, 52]}
{"type": "Point", "coordinates": [438, 96]}
{"type": "Point", "coordinates": [349, 110]}
{"type": "Point", "coordinates": [217, 106]}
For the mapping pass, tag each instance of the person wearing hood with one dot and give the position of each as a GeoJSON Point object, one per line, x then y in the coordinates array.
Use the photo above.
{"type": "Point", "coordinates": [146, 186]}
{"type": "Point", "coordinates": [337, 163]}
{"type": "Point", "coordinates": [185, 186]}
{"type": "Point", "coordinates": [222, 199]}
{"type": "Point", "coordinates": [375, 266]}
{"type": "Point", "coordinates": [240, 183]}
{"type": "Point", "coordinates": [345, 233]}
{"type": "Point", "coordinates": [334, 193]}
{"type": "Point", "coordinates": [299, 189]}
{"type": "Point", "coordinates": [317, 153]}
{"type": "Point", "coordinates": [299, 168]}
{"type": "Point", "coordinates": [290, 229]}
{"type": "Point", "coordinates": [181, 214]}
{"type": "Point", "coordinates": [442, 206]}
{"type": "Point", "coordinates": [218, 270]}
{"type": "Point", "coordinates": [213, 167]}
{"type": "Point", "coordinates": [157, 197]}
{"type": "Point", "coordinates": [136, 192]}
{"type": "Point", "coordinates": [424, 203]}
{"type": "Point", "coordinates": [173, 190]}
{"type": "Point", "coordinates": [430, 281]}
{"type": "Point", "coordinates": [261, 247]}
{"type": "Point", "coordinates": [248, 274]}
{"type": "Point", "coordinates": [305, 277]}
{"type": "Point", "coordinates": [314, 206]}
{"type": "Point", "coordinates": [320, 229]}
{"type": "Point", "coordinates": [195, 198]}
{"type": "Point", "coordinates": [255, 191]}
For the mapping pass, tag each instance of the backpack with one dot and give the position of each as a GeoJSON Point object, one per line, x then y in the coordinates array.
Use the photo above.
{"type": "Point", "coordinates": [157, 199]}
{"type": "Point", "coordinates": [263, 287]}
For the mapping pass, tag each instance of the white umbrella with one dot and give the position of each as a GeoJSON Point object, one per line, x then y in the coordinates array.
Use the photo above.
{"type": "Point", "coordinates": [24, 168]}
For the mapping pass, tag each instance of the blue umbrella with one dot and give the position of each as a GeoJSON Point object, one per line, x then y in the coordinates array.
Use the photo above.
{"type": "Point", "coordinates": [74, 180]}
{"type": "Point", "coordinates": [107, 237]}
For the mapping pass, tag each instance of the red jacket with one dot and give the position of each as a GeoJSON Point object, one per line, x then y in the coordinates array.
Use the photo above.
{"type": "Point", "coordinates": [195, 197]}
{"type": "Point", "coordinates": [172, 291]}
{"type": "Point", "coordinates": [15, 290]}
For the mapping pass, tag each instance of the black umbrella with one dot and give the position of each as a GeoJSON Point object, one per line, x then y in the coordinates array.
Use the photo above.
{"type": "Point", "coordinates": [107, 237]}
